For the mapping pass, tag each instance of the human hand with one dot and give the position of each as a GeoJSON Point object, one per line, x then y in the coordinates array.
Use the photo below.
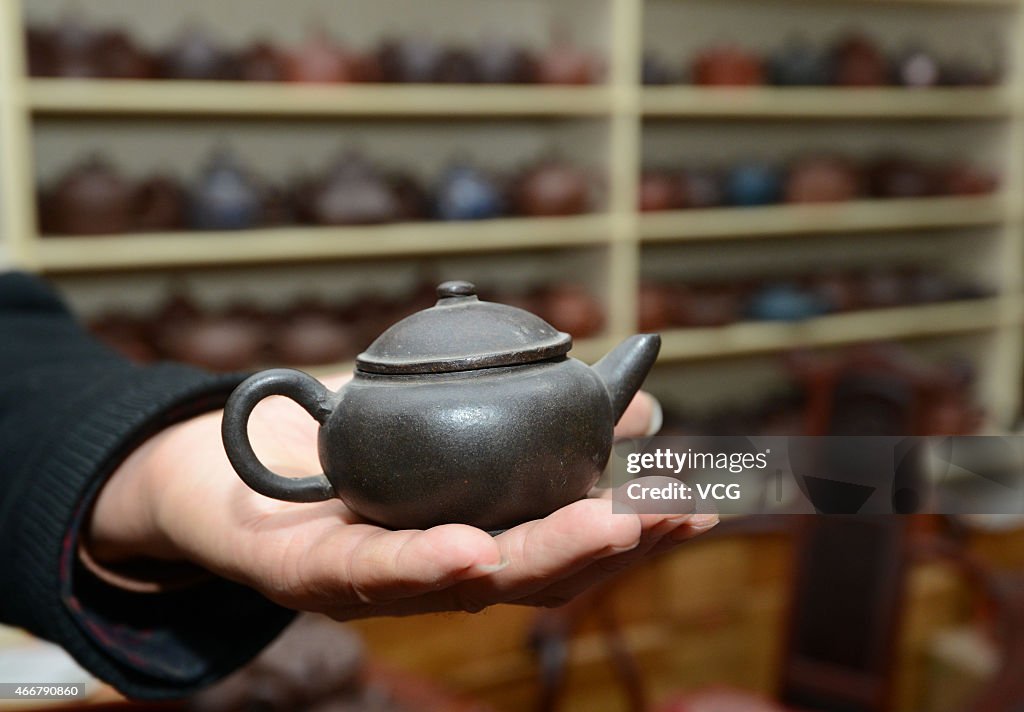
{"type": "Point", "coordinates": [177, 498]}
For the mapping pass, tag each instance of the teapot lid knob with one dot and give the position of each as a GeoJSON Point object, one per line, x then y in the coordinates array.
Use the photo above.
{"type": "Point", "coordinates": [456, 288]}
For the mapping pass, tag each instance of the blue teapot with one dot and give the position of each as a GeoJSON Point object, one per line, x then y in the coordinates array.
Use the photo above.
{"type": "Point", "coordinates": [466, 193]}
{"type": "Point", "coordinates": [226, 197]}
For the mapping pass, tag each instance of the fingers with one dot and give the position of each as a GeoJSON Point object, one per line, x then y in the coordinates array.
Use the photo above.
{"type": "Point", "coordinates": [661, 537]}
{"type": "Point", "coordinates": [363, 564]}
{"type": "Point", "coordinates": [643, 417]}
{"type": "Point", "coordinates": [575, 573]}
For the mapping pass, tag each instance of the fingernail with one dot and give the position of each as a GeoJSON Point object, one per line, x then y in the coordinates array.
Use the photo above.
{"type": "Point", "coordinates": [702, 521]}
{"type": "Point", "coordinates": [491, 568]}
{"type": "Point", "coordinates": [623, 549]}
{"type": "Point", "coordinates": [657, 418]}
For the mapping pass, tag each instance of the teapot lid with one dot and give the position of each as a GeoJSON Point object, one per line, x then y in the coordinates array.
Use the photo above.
{"type": "Point", "coordinates": [462, 333]}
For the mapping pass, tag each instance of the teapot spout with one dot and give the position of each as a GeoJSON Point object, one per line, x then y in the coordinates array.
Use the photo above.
{"type": "Point", "coordinates": [624, 368]}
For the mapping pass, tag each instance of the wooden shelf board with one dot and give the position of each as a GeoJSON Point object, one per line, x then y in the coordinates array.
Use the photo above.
{"type": "Point", "coordinates": [852, 216]}
{"type": "Point", "coordinates": [256, 99]}
{"type": "Point", "coordinates": [296, 244]}
{"type": "Point", "coordinates": [824, 102]}
{"type": "Point", "coordinates": [836, 329]}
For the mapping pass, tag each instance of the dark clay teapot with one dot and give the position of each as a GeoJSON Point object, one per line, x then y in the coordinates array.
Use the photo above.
{"type": "Point", "coordinates": [119, 57]}
{"type": "Point", "coordinates": [858, 62]}
{"type": "Point", "coordinates": [195, 55]}
{"type": "Point", "coordinates": [799, 63]}
{"type": "Point", "coordinates": [261, 62]}
{"type": "Point", "coordinates": [413, 60]}
{"type": "Point", "coordinates": [75, 49]}
{"type": "Point", "coordinates": [467, 412]}
{"type": "Point", "coordinates": [499, 61]}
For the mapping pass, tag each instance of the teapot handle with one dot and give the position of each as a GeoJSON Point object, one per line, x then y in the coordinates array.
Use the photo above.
{"type": "Point", "coordinates": [304, 390]}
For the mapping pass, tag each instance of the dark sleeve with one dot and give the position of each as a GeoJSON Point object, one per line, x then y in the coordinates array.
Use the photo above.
{"type": "Point", "coordinates": [70, 411]}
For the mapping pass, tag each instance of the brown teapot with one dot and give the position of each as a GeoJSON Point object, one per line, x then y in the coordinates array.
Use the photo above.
{"type": "Point", "coordinates": [91, 199]}
{"type": "Point", "coordinates": [159, 203]}
{"type": "Point", "coordinates": [728, 65]}
{"type": "Point", "coordinates": [565, 63]}
{"type": "Point", "coordinates": [119, 57]}
{"type": "Point", "coordinates": [552, 188]}
{"type": "Point", "coordinates": [821, 179]}
{"type": "Point", "coordinates": [262, 62]}
{"type": "Point", "coordinates": [858, 62]}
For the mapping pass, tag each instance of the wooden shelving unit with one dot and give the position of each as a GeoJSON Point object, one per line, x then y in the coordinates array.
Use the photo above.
{"type": "Point", "coordinates": [854, 216]}
{"type": "Point", "coordinates": [250, 99]}
{"type": "Point", "coordinates": [624, 109]}
{"type": "Point", "coordinates": [948, 319]}
{"type": "Point", "coordinates": [297, 244]}
{"type": "Point", "coordinates": [826, 103]}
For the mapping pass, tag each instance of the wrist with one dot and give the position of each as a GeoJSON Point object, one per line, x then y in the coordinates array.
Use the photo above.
{"type": "Point", "coordinates": [124, 524]}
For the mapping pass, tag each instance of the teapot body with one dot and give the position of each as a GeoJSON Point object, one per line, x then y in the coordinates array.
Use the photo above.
{"type": "Point", "coordinates": [490, 449]}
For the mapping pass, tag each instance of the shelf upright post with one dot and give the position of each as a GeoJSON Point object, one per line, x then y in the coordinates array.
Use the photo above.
{"type": "Point", "coordinates": [624, 161]}
{"type": "Point", "coordinates": [1007, 363]}
{"type": "Point", "coordinates": [18, 229]}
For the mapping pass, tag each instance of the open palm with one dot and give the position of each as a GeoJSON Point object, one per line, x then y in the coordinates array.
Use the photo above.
{"type": "Point", "coordinates": [321, 557]}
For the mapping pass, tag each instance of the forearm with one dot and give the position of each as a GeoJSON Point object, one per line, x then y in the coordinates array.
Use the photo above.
{"type": "Point", "coordinates": [70, 412]}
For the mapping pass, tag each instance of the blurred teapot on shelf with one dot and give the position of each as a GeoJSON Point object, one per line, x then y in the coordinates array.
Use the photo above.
{"type": "Point", "coordinates": [194, 54]}
{"type": "Point", "coordinates": [226, 197]}
{"type": "Point", "coordinates": [898, 177]}
{"type": "Point", "coordinates": [262, 62]}
{"type": "Point", "coordinates": [467, 193]}
{"type": "Point", "coordinates": [752, 184]}
{"type": "Point", "coordinates": [570, 307]}
{"type": "Point", "coordinates": [412, 60]}
{"type": "Point", "coordinates": [320, 60]}
{"type": "Point", "coordinates": [119, 57]}
{"type": "Point", "coordinates": [565, 63]}
{"type": "Point", "coordinates": [858, 62]}
{"type": "Point", "coordinates": [821, 179]}
{"type": "Point", "coordinates": [353, 193]}
{"type": "Point", "coordinates": [457, 66]}
{"type": "Point", "coordinates": [90, 199]}
{"type": "Point", "coordinates": [660, 190]}
{"type": "Point", "coordinates": [799, 63]}
{"type": "Point", "coordinates": [500, 61]}
{"type": "Point", "coordinates": [917, 68]}
{"type": "Point", "coordinates": [160, 203]}
{"type": "Point", "coordinates": [728, 65]}
{"type": "Point", "coordinates": [551, 188]}
{"type": "Point", "coordinates": [74, 49]}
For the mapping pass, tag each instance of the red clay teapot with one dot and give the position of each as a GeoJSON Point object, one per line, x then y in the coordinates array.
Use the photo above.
{"type": "Point", "coordinates": [728, 65]}
{"type": "Point", "coordinates": [91, 199]}
{"type": "Point", "coordinates": [552, 188]}
{"type": "Point", "coordinates": [565, 63]}
{"type": "Point", "coordinates": [320, 60]}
